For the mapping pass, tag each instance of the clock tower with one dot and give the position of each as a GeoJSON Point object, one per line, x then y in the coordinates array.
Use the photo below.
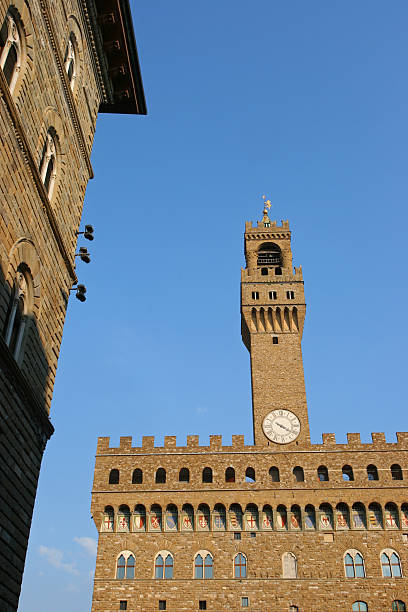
{"type": "Point", "coordinates": [272, 317]}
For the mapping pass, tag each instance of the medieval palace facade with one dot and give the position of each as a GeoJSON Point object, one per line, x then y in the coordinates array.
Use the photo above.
{"type": "Point", "coordinates": [61, 61]}
{"type": "Point", "coordinates": [280, 525]}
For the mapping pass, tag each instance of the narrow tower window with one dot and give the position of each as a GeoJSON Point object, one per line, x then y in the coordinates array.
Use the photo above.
{"type": "Point", "coordinates": [114, 476]}
{"type": "Point", "coordinates": [10, 50]}
{"type": "Point", "coordinates": [137, 476]}
{"type": "Point", "coordinates": [70, 62]}
{"type": "Point", "coordinates": [372, 472]}
{"type": "Point", "coordinates": [207, 475]}
{"type": "Point", "coordinates": [396, 472]}
{"type": "Point", "coordinates": [48, 165]}
{"type": "Point", "coordinates": [184, 475]}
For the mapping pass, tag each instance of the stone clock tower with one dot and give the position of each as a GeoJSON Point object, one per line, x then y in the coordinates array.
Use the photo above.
{"type": "Point", "coordinates": [282, 525]}
{"type": "Point", "coordinates": [273, 312]}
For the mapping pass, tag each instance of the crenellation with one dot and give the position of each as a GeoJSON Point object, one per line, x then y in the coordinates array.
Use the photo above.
{"type": "Point", "coordinates": [192, 441]}
{"type": "Point", "coordinates": [353, 439]}
{"type": "Point", "coordinates": [329, 439]}
{"type": "Point", "coordinates": [170, 441]}
{"type": "Point", "coordinates": [148, 442]}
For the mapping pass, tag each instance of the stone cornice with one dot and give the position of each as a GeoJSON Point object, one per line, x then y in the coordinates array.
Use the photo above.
{"type": "Point", "coordinates": [32, 167]}
{"type": "Point", "coordinates": [65, 84]}
{"type": "Point", "coordinates": [24, 391]}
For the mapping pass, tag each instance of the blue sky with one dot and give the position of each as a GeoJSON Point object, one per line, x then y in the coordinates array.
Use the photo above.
{"type": "Point", "coordinates": [302, 101]}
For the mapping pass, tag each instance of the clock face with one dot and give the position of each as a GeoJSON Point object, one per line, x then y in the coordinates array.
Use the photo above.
{"type": "Point", "coordinates": [281, 426]}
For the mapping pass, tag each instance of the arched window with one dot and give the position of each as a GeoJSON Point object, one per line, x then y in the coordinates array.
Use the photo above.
{"type": "Point", "coordinates": [184, 475]}
{"type": "Point", "coordinates": [187, 517]}
{"type": "Point", "coordinates": [251, 517]}
{"type": "Point", "coordinates": [155, 518]}
{"type": "Point", "coordinates": [207, 474]}
{"type": "Point", "coordinates": [299, 474]}
{"type": "Point", "coordinates": [10, 49]}
{"type": "Point", "coordinates": [171, 518]}
{"type": "Point", "coordinates": [295, 517]}
{"type": "Point", "coordinates": [71, 61]}
{"type": "Point", "coordinates": [267, 517]}
{"type": "Point", "coordinates": [114, 476]}
{"type": "Point", "coordinates": [391, 516]}
{"type": "Point", "coordinates": [354, 564]}
{"type": "Point", "coordinates": [375, 516]}
{"type": "Point", "coordinates": [281, 517]}
{"type": "Point", "coordinates": [124, 518]}
{"type": "Point", "coordinates": [139, 518]}
{"type": "Point", "coordinates": [108, 519]}
{"type": "Point", "coordinates": [390, 564]}
{"type": "Point", "coordinates": [322, 473]}
{"type": "Point", "coordinates": [274, 474]}
{"type": "Point", "coordinates": [397, 604]}
{"type": "Point", "coordinates": [163, 565]}
{"type": "Point", "coordinates": [219, 517]}
{"type": "Point", "coordinates": [125, 565]}
{"type": "Point", "coordinates": [160, 476]}
{"type": "Point", "coordinates": [250, 475]}
{"type": "Point", "coordinates": [203, 565]}
{"type": "Point", "coordinates": [396, 474]}
{"type": "Point", "coordinates": [19, 308]}
{"type": "Point", "coordinates": [372, 472]}
{"type": "Point", "coordinates": [359, 606]}
{"type": "Point", "coordinates": [326, 517]}
{"type": "Point", "coordinates": [203, 517]}
{"type": "Point", "coordinates": [404, 516]}
{"type": "Point", "coordinates": [230, 475]}
{"type": "Point", "coordinates": [137, 476]}
{"type": "Point", "coordinates": [240, 566]}
{"type": "Point", "coordinates": [289, 565]}
{"type": "Point", "coordinates": [269, 254]}
{"type": "Point", "coordinates": [347, 472]}
{"type": "Point", "coordinates": [310, 517]}
{"type": "Point", "coordinates": [235, 517]}
{"type": "Point", "coordinates": [342, 516]}
{"type": "Point", "coordinates": [48, 165]}
{"type": "Point", "coordinates": [359, 516]}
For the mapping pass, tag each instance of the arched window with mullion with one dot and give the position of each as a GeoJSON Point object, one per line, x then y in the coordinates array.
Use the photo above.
{"type": "Point", "coordinates": [240, 566]}
{"type": "Point", "coordinates": [121, 567]}
{"type": "Point", "coordinates": [359, 606]}
{"type": "Point", "coordinates": [198, 567]}
{"type": "Point", "coordinates": [354, 564]}
{"type": "Point", "coordinates": [390, 565]}
{"type": "Point", "coordinates": [11, 49]}
{"type": "Point", "coordinates": [125, 566]}
{"type": "Point", "coordinates": [168, 567]}
{"type": "Point", "coordinates": [158, 567]}
{"type": "Point", "coordinates": [397, 604]}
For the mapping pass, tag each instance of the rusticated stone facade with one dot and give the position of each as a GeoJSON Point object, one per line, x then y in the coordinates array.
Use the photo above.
{"type": "Point", "coordinates": [279, 525]}
{"type": "Point", "coordinates": [57, 68]}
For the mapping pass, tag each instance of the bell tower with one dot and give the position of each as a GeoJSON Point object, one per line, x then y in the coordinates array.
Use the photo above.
{"type": "Point", "coordinates": [272, 317]}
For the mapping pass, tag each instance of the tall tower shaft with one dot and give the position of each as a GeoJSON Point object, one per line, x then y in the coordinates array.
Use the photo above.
{"type": "Point", "coordinates": [272, 318]}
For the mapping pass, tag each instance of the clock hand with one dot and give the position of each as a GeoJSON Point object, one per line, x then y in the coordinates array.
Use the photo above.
{"type": "Point", "coordinates": [283, 426]}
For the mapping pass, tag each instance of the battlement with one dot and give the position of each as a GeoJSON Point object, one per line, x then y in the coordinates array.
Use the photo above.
{"type": "Point", "coordinates": [238, 445]}
{"type": "Point", "coordinates": [249, 229]}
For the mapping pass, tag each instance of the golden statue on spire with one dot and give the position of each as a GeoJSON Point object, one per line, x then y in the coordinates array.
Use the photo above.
{"type": "Point", "coordinates": [267, 205]}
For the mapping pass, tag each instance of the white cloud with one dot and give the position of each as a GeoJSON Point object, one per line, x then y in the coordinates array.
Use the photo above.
{"type": "Point", "coordinates": [201, 410]}
{"type": "Point", "coordinates": [89, 544]}
{"type": "Point", "coordinates": [54, 558]}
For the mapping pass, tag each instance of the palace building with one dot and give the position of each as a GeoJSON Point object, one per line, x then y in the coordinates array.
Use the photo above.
{"type": "Point", "coordinates": [60, 63]}
{"type": "Point", "coordinates": [277, 525]}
